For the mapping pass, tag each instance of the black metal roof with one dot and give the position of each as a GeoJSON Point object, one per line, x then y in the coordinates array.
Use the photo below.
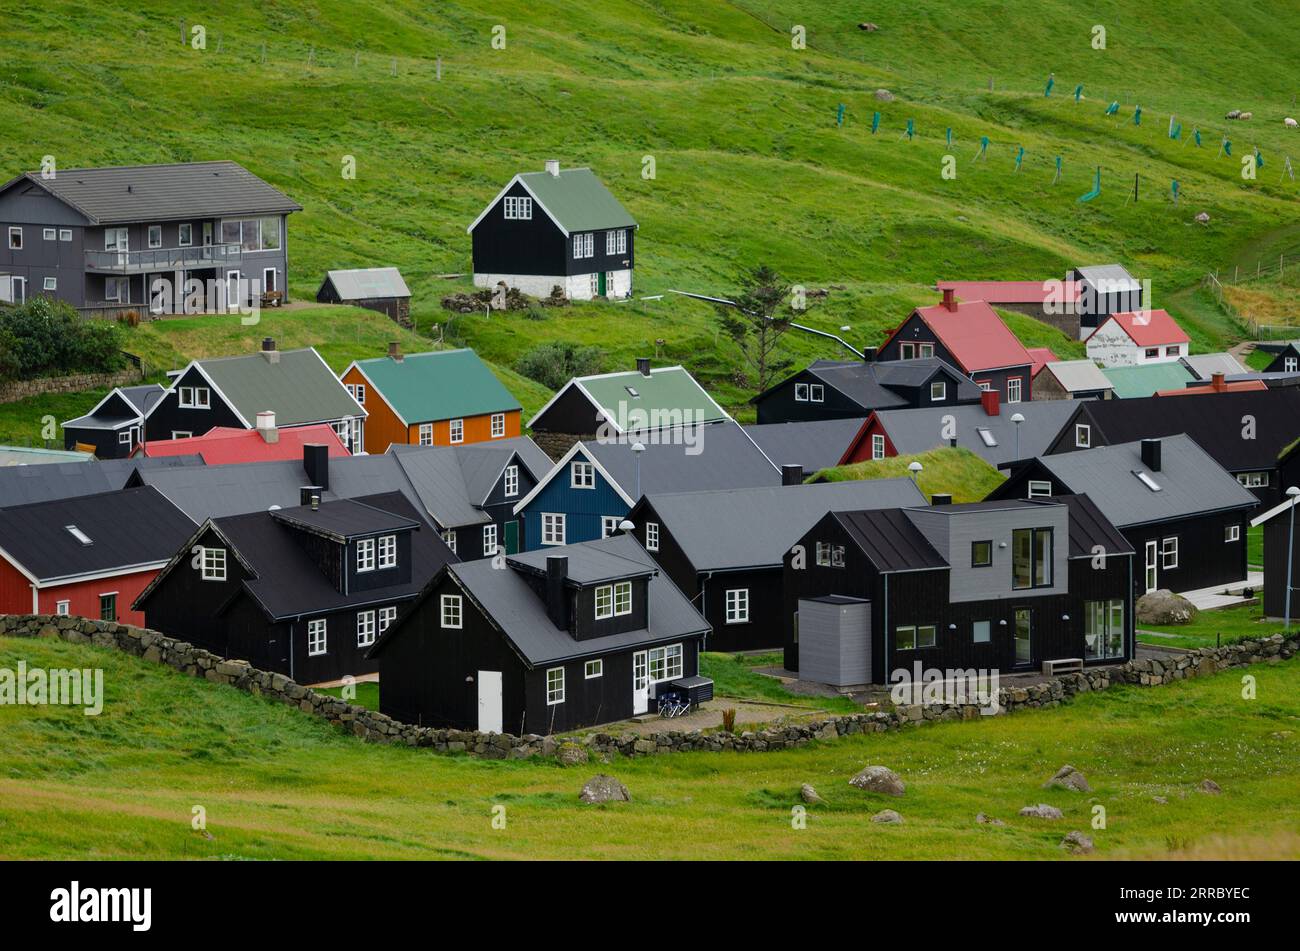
{"type": "Point", "coordinates": [344, 519]}
{"type": "Point", "coordinates": [875, 384]}
{"type": "Point", "coordinates": [20, 485]}
{"type": "Point", "coordinates": [891, 540]}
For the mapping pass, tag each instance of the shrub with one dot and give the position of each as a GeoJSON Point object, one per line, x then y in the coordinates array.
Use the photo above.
{"type": "Point", "coordinates": [729, 720]}
{"type": "Point", "coordinates": [46, 337]}
{"type": "Point", "coordinates": [554, 364]}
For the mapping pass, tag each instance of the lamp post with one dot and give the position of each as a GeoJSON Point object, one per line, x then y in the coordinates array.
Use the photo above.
{"type": "Point", "coordinates": [637, 449]}
{"type": "Point", "coordinates": [915, 468]}
{"type": "Point", "coordinates": [1017, 419]}
{"type": "Point", "coordinates": [1290, 551]}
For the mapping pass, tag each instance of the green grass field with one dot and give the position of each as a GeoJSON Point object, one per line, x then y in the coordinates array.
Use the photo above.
{"type": "Point", "coordinates": [949, 469]}
{"type": "Point", "coordinates": [277, 784]}
{"type": "Point", "coordinates": [1211, 628]}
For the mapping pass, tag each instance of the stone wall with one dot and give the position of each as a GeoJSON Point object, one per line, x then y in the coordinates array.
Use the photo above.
{"type": "Point", "coordinates": [556, 445]}
{"type": "Point", "coordinates": [376, 727]}
{"type": "Point", "coordinates": [75, 383]}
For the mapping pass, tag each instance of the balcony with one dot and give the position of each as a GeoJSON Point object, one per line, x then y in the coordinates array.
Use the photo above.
{"type": "Point", "coordinates": [163, 259]}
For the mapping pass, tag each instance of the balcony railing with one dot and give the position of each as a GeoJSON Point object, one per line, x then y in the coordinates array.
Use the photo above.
{"type": "Point", "coordinates": [164, 259]}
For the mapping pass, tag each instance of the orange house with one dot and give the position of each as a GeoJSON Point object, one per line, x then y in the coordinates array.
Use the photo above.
{"type": "Point", "coordinates": [442, 398]}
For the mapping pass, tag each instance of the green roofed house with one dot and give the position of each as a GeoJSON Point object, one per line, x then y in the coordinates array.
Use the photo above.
{"type": "Point", "coordinates": [630, 401]}
{"type": "Point", "coordinates": [443, 398]}
{"type": "Point", "coordinates": [1147, 379]}
{"type": "Point", "coordinates": [554, 229]}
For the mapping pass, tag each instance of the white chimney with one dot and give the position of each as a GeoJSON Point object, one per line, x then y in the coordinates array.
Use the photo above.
{"type": "Point", "coordinates": [266, 427]}
{"type": "Point", "coordinates": [553, 167]}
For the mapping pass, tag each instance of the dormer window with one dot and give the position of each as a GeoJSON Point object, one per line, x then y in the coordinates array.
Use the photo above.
{"type": "Point", "coordinates": [1031, 558]}
{"type": "Point", "coordinates": [801, 392]}
{"type": "Point", "coordinates": [194, 397]}
{"type": "Point", "coordinates": [816, 393]}
{"type": "Point", "coordinates": [1082, 436]}
{"type": "Point", "coordinates": [622, 598]}
{"type": "Point", "coordinates": [365, 555]}
{"type": "Point", "coordinates": [582, 475]}
{"type": "Point", "coordinates": [925, 350]}
{"type": "Point", "coordinates": [613, 600]}
{"type": "Point", "coordinates": [1039, 490]}
{"type": "Point", "coordinates": [212, 565]}
{"type": "Point", "coordinates": [388, 551]}
{"type": "Point", "coordinates": [938, 391]}
{"type": "Point", "coordinates": [511, 482]}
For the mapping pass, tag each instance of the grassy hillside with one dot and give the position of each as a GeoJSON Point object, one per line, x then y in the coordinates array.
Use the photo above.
{"type": "Point", "coordinates": [749, 163]}
{"type": "Point", "coordinates": [278, 784]}
{"type": "Point", "coordinates": [953, 470]}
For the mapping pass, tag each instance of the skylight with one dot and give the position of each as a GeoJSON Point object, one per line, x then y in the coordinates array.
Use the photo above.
{"type": "Point", "coordinates": [78, 534]}
{"type": "Point", "coordinates": [988, 437]}
{"type": "Point", "coordinates": [632, 392]}
{"type": "Point", "coordinates": [1149, 482]}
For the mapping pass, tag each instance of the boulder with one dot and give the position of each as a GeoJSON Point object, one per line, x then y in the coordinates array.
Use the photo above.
{"type": "Point", "coordinates": [879, 779]}
{"type": "Point", "coordinates": [1067, 777]}
{"type": "Point", "coordinates": [1164, 607]}
{"type": "Point", "coordinates": [809, 795]}
{"type": "Point", "coordinates": [1076, 843]}
{"type": "Point", "coordinates": [570, 754]}
{"type": "Point", "coordinates": [888, 816]}
{"type": "Point", "coordinates": [984, 820]}
{"type": "Point", "coordinates": [869, 27]}
{"type": "Point", "coordinates": [1210, 786]}
{"type": "Point", "coordinates": [1042, 811]}
{"type": "Point", "coordinates": [602, 788]}
{"type": "Point", "coordinates": [1203, 218]}
{"type": "Point", "coordinates": [884, 95]}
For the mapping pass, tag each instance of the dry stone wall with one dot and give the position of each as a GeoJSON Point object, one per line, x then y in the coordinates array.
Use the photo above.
{"type": "Point", "coordinates": [74, 383]}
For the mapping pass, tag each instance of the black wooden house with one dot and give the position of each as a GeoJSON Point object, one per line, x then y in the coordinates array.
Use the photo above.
{"type": "Point", "coordinates": [839, 389]}
{"type": "Point", "coordinates": [115, 426]}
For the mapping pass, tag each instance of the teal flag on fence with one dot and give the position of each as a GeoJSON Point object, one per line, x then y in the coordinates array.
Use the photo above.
{"type": "Point", "coordinates": [1259, 159]}
{"type": "Point", "coordinates": [1020, 157]}
{"type": "Point", "coordinates": [949, 136]}
{"type": "Point", "coordinates": [875, 122]}
{"type": "Point", "coordinates": [1057, 177]}
{"type": "Point", "coordinates": [1196, 134]}
{"type": "Point", "coordinates": [1051, 81]}
{"type": "Point", "coordinates": [1096, 189]}
{"type": "Point", "coordinates": [1078, 92]}
{"type": "Point", "coordinates": [1137, 116]}
{"type": "Point", "coordinates": [1173, 187]}
{"type": "Point", "coordinates": [1113, 108]}
{"type": "Point", "coordinates": [911, 129]}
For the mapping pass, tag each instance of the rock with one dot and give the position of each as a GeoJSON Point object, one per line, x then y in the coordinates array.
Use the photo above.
{"type": "Point", "coordinates": [1203, 218]}
{"type": "Point", "coordinates": [1160, 799]}
{"type": "Point", "coordinates": [570, 754]}
{"type": "Point", "coordinates": [1210, 786]}
{"type": "Point", "coordinates": [1042, 811]}
{"type": "Point", "coordinates": [884, 95]}
{"type": "Point", "coordinates": [869, 27]}
{"type": "Point", "coordinates": [1164, 607]}
{"type": "Point", "coordinates": [1067, 777]}
{"type": "Point", "coordinates": [984, 820]}
{"type": "Point", "coordinates": [888, 816]}
{"type": "Point", "coordinates": [879, 779]}
{"type": "Point", "coordinates": [809, 795]}
{"type": "Point", "coordinates": [602, 788]}
{"type": "Point", "coordinates": [1076, 843]}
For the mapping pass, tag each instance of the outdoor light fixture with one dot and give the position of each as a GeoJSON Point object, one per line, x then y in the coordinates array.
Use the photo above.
{"type": "Point", "coordinates": [626, 525]}
{"type": "Point", "coordinates": [1017, 419]}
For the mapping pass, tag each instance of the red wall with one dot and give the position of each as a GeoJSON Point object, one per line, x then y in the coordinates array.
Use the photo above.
{"type": "Point", "coordinates": [861, 450]}
{"type": "Point", "coordinates": [16, 595]}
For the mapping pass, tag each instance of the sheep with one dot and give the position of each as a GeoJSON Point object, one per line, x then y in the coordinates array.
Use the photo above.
{"type": "Point", "coordinates": [1290, 123]}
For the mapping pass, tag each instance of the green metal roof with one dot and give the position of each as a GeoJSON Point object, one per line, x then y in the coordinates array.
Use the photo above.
{"type": "Point", "coordinates": [1148, 379]}
{"type": "Point", "coordinates": [666, 390]}
{"type": "Point", "coordinates": [444, 384]}
{"type": "Point", "coordinates": [577, 200]}
{"type": "Point", "coordinates": [298, 387]}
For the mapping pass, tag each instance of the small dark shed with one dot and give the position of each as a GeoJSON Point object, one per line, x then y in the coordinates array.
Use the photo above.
{"type": "Point", "coordinates": [374, 288]}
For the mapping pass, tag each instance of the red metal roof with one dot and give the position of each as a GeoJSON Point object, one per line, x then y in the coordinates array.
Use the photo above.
{"type": "Point", "coordinates": [1235, 387]}
{"type": "Point", "coordinates": [223, 444]}
{"type": "Point", "coordinates": [975, 336]}
{"type": "Point", "coordinates": [1042, 356]}
{"type": "Point", "coordinates": [1009, 292]}
{"type": "Point", "coordinates": [1152, 329]}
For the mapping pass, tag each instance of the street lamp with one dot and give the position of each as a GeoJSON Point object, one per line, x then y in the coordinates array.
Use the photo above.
{"type": "Point", "coordinates": [1290, 551]}
{"type": "Point", "coordinates": [637, 449]}
{"type": "Point", "coordinates": [1017, 419]}
{"type": "Point", "coordinates": [915, 468]}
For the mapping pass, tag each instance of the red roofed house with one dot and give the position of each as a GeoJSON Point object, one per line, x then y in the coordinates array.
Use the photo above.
{"type": "Point", "coordinates": [970, 336]}
{"type": "Point", "coordinates": [1041, 356]}
{"type": "Point", "coordinates": [1053, 301]}
{"type": "Point", "coordinates": [226, 444]}
{"type": "Point", "coordinates": [1137, 338]}
{"type": "Point", "coordinates": [1217, 384]}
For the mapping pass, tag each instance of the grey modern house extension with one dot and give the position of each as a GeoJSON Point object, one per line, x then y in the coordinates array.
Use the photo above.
{"type": "Point", "coordinates": [100, 238]}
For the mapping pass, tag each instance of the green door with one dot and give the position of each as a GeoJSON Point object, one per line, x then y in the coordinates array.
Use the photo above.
{"type": "Point", "coordinates": [600, 283]}
{"type": "Point", "coordinates": [512, 537]}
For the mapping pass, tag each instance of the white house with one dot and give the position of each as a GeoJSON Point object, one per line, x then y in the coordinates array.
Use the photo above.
{"type": "Point", "coordinates": [1136, 339]}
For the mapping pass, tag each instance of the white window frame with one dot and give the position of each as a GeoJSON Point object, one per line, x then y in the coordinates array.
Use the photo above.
{"type": "Point", "coordinates": [668, 660]}
{"type": "Point", "coordinates": [1167, 550]}
{"type": "Point", "coordinates": [1082, 436]}
{"type": "Point", "coordinates": [1253, 480]}
{"type": "Point", "coordinates": [517, 208]}
{"type": "Point", "coordinates": [816, 393]}
{"type": "Point", "coordinates": [510, 482]}
{"type": "Point", "coordinates": [365, 628]}
{"type": "Point", "coordinates": [15, 232]}
{"type": "Point", "coordinates": [65, 234]}
{"type": "Point", "coordinates": [449, 537]}
{"type": "Point", "coordinates": [622, 598]}
{"type": "Point", "coordinates": [1290, 364]}
{"type": "Point", "coordinates": [925, 351]}
{"type": "Point", "coordinates": [212, 564]}
{"type": "Point", "coordinates": [1039, 489]}
{"type": "Point", "coordinates": [62, 608]}
{"type": "Point", "coordinates": [609, 525]}
{"type": "Point", "coordinates": [425, 434]}
{"type": "Point", "coordinates": [938, 391]}
{"type": "Point", "coordinates": [907, 351]}
{"type": "Point", "coordinates": [554, 686]}
{"type": "Point", "coordinates": [317, 637]}
{"type": "Point", "coordinates": [358, 392]}
{"type": "Point", "coordinates": [185, 234]}
{"type": "Point", "coordinates": [365, 555]}
{"type": "Point", "coordinates": [50, 234]}
{"type": "Point", "coordinates": [553, 528]}
{"type": "Point", "coordinates": [1017, 389]}
{"type": "Point", "coordinates": [584, 245]}
{"type": "Point", "coordinates": [456, 431]}
{"type": "Point", "coordinates": [1174, 350]}
{"type": "Point", "coordinates": [651, 536]}
{"type": "Point", "coordinates": [582, 475]}
{"type": "Point", "coordinates": [193, 397]}
{"type": "Point", "coordinates": [451, 612]}
{"type": "Point", "coordinates": [604, 602]}
{"type": "Point", "coordinates": [150, 241]}
{"type": "Point", "coordinates": [489, 539]}
{"type": "Point", "coordinates": [823, 554]}
{"type": "Point", "coordinates": [801, 392]}
{"type": "Point", "coordinates": [593, 669]}
{"type": "Point", "coordinates": [387, 548]}
{"type": "Point", "coordinates": [737, 606]}
{"type": "Point", "coordinates": [50, 284]}
{"type": "Point", "coordinates": [386, 617]}
{"type": "Point", "coordinates": [616, 241]}
{"type": "Point", "coordinates": [877, 446]}
{"type": "Point", "coordinates": [1231, 533]}
{"type": "Point", "coordinates": [498, 425]}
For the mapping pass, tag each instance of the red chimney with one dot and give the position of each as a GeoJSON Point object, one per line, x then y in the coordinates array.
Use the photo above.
{"type": "Point", "coordinates": [1216, 381]}
{"type": "Point", "coordinates": [949, 301]}
{"type": "Point", "coordinates": [989, 400]}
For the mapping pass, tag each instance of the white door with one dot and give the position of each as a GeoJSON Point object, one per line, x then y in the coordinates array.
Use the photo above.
{"type": "Point", "coordinates": [640, 683]}
{"type": "Point", "coordinates": [1153, 552]}
{"type": "Point", "coordinates": [489, 701]}
{"type": "Point", "coordinates": [233, 279]}
{"type": "Point", "coordinates": [268, 280]}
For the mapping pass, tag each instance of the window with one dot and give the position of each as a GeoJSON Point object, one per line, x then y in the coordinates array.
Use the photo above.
{"type": "Point", "coordinates": [1173, 350]}
{"type": "Point", "coordinates": [457, 427]}
{"type": "Point", "coordinates": [498, 425]}
{"type": "Point", "coordinates": [358, 392]}
{"type": "Point", "coordinates": [823, 555]}
{"type": "Point", "coordinates": [665, 663]}
{"type": "Point", "coordinates": [981, 554]}
{"type": "Point", "coordinates": [584, 245]}
{"type": "Point", "coordinates": [801, 392]}
{"type": "Point", "coordinates": [907, 351]}
{"type": "Point", "coordinates": [582, 475]}
{"type": "Point", "coordinates": [877, 446]}
{"type": "Point", "coordinates": [15, 239]}
{"type": "Point", "coordinates": [49, 234]}
{"type": "Point", "coordinates": [388, 551]}
{"type": "Point", "coordinates": [985, 385]}
{"type": "Point", "coordinates": [1039, 490]}
{"type": "Point", "coordinates": [604, 602]}
{"type": "Point", "coordinates": [608, 525]}
{"type": "Point", "coordinates": [212, 566]}
{"type": "Point", "coordinates": [1232, 533]}
{"type": "Point", "coordinates": [1152, 353]}
{"type": "Point", "coordinates": [108, 606]}
{"type": "Point", "coordinates": [981, 632]}
{"type": "Point", "coordinates": [316, 637]}
{"type": "Point", "coordinates": [65, 234]}
{"type": "Point", "coordinates": [1290, 364]}
{"type": "Point", "coordinates": [1013, 390]}
{"type": "Point", "coordinates": [837, 556]}
{"type": "Point", "coordinates": [1253, 480]}
{"type": "Point", "coordinates": [738, 606]}
{"type": "Point", "coordinates": [155, 236]}
{"type": "Point", "coordinates": [426, 434]}
{"type": "Point", "coordinates": [386, 617]}
{"type": "Point", "coordinates": [50, 284]}
{"type": "Point", "coordinates": [451, 616]}
{"type": "Point", "coordinates": [1149, 482]}
{"type": "Point", "coordinates": [511, 480]}
{"type": "Point", "coordinates": [1169, 552]}
{"type": "Point", "coordinates": [925, 350]}
{"type": "Point", "coordinates": [489, 540]}
{"type": "Point", "coordinates": [913, 637]}
{"type": "Point", "coordinates": [185, 234]}
{"type": "Point", "coordinates": [622, 598]}
{"type": "Point", "coordinates": [593, 669]}
{"type": "Point", "coordinates": [986, 436]}
{"type": "Point", "coordinates": [938, 391]}
{"type": "Point", "coordinates": [252, 234]}
{"type": "Point", "coordinates": [125, 438]}
{"type": "Point", "coordinates": [449, 537]}
{"type": "Point", "coordinates": [1103, 629]}
{"type": "Point", "coordinates": [616, 242]}
{"type": "Point", "coordinates": [181, 434]}
{"type": "Point", "coordinates": [816, 393]}
{"type": "Point", "coordinates": [1031, 558]}
{"type": "Point", "coordinates": [518, 209]}
{"type": "Point", "coordinates": [365, 628]}
{"type": "Point", "coordinates": [651, 536]}
{"type": "Point", "coordinates": [62, 608]}
{"type": "Point", "coordinates": [1082, 436]}
{"type": "Point", "coordinates": [552, 528]}
{"type": "Point", "coordinates": [78, 534]}
{"type": "Point", "coordinates": [554, 686]}
{"type": "Point", "coordinates": [194, 397]}
{"type": "Point", "coordinates": [365, 555]}
{"type": "Point", "coordinates": [115, 239]}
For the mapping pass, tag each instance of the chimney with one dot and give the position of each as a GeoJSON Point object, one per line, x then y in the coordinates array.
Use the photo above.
{"type": "Point", "coordinates": [869, 354]}
{"type": "Point", "coordinates": [792, 475]}
{"type": "Point", "coordinates": [989, 400]}
{"type": "Point", "coordinates": [266, 427]}
{"type": "Point", "coordinates": [643, 366]}
{"type": "Point", "coordinates": [941, 498]}
{"type": "Point", "coordinates": [309, 495]}
{"type": "Point", "coordinates": [1151, 454]}
{"type": "Point", "coordinates": [949, 300]}
{"type": "Point", "coordinates": [553, 167]}
{"type": "Point", "coordinates": [268, 350]}
{"type": "Point", "coordinates": [394, 351]}
{"type": "Point", "coordinates": [1216, 381]}
{"type": "Point", "coordinates": [316, 463]}
{"type": "Point", "coordinates": [557, 599]}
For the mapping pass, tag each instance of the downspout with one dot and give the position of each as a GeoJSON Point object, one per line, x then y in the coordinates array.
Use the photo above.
{"type": "Point", "coordinates": [703, 605]}
{"type": "Point", "coordinates": [36, 598]}
{"type": "Point", "coordinates": [886, 632]}
{"type": "Point", "coordinates": [291, 676]}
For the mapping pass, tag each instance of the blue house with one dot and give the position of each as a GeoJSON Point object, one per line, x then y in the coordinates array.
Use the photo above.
{"type": "Point", "coordinates": [598, 482]}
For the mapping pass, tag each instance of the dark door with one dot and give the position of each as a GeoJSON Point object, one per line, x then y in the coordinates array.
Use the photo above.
{"type": "Point", "coordinates": [512, 537]}
{"type": "Point", "coordinates": [600, 284]}
{"type": "Point", "coordinates": [1024, 639]}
